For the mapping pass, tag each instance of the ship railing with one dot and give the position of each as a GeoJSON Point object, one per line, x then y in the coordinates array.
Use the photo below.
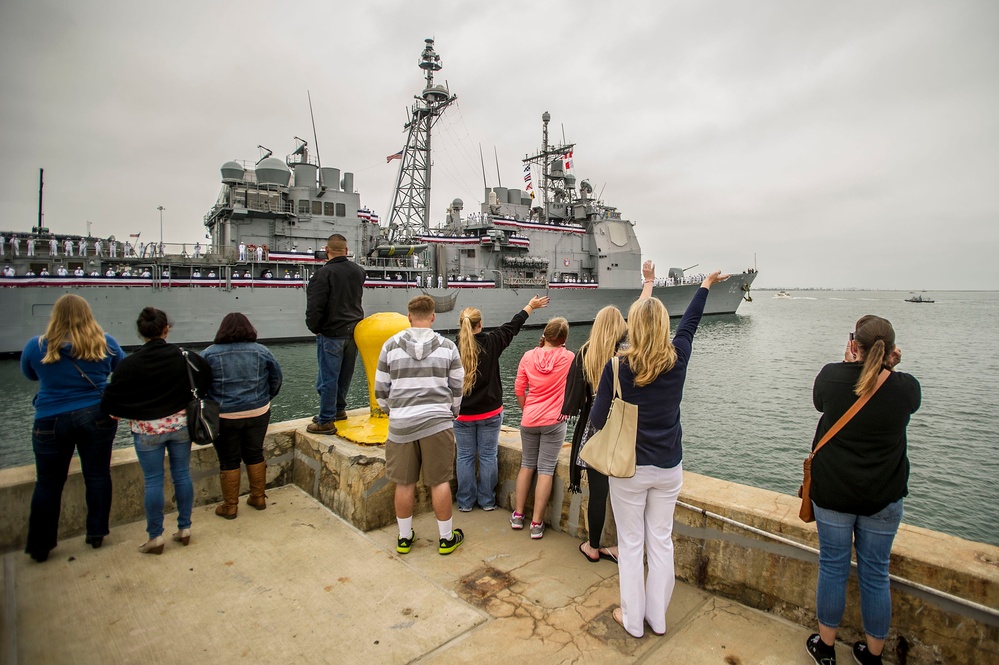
{"type": "Point", "coordinates": [515, 282]}
{"type": "Point", "coordinates": [976, 607]}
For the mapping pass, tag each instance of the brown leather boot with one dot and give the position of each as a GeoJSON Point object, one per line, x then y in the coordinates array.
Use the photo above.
{"type": "Point", "coordinates": [230, 494]}
{"type": "Point", "coordinates": [257, 473]}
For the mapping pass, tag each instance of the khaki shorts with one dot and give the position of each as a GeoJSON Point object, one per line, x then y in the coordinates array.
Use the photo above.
{"type": "Point", "coordinates": [434, 454]}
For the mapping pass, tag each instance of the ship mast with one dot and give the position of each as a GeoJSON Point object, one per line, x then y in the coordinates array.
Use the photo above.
{"type": "Point", "coordinates": [555, 182]}
{"type": "Point", "coordinates": [411, 202]}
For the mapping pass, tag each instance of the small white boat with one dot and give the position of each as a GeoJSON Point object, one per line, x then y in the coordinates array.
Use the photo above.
{"type": "Point", "coordinates": [783, 295]}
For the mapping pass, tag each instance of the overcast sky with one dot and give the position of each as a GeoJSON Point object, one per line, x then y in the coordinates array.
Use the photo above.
{"type": "Point", "coordinates": [846, 144]}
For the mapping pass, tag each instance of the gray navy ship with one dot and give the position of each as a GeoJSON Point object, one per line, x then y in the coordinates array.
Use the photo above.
{"type": "Point", "coordinates": [552, 236]}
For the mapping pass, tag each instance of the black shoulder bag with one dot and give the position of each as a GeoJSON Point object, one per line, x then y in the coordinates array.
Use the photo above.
{"type": "Point", "coordinates": [202, 414]}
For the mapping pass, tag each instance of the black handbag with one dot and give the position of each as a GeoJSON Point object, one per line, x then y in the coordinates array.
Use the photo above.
{"type": "Point", "coordinates": [202, 414]}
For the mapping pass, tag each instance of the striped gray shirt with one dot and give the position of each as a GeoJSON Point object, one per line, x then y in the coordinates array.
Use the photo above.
{"type": "Point", "coordinates": [418, 383]}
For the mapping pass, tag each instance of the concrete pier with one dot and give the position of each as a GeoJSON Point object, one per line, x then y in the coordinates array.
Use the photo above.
{"type": "Point", "coordinates": [315, 577]}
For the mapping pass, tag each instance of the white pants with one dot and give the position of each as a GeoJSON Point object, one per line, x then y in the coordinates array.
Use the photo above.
{"type": "Point", "coordinates": [643, 512]}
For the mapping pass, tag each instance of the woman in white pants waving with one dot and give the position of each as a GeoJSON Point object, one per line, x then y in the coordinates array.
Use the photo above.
{"type": "Point", "coordinates": [652, 373]}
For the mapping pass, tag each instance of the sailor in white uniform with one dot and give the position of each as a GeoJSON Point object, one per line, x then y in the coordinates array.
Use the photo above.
{"type": "Point", "coordinates": [54, 247]}
{"type": "Point", "coordinates": [98, 247]}
{"type": "Point", "coordinates": [211, 273]}
{"type": "Point", "coordinates": [197, 250]}
{"type": "Point", "coordinates": [113, 247]}
{"type": "Point", "coordinates": [68, 246]}
{"type": "Point", "coordinates": [260, 253]}
{"type": "Point", "coordinates": [78, 272]}
{"type": "Point", "coordinates": [146, 273]}
{"type": "Point", "coordinates": [31, 245]}
{"type": "Point", "coordinates": [95, 273]}
{"type": "Point", "coordinates": [15, 245]}
{"type": "Point", "coordinates": [83, 246]}
{"type": "Point", "coordinates": [109, 273]}
{"type": "Point", "coordinates": [44, 272]}
{"type": "Point", "coordinates": [247, 275]}
{"type": "Point", "coordinates": [242, 251]}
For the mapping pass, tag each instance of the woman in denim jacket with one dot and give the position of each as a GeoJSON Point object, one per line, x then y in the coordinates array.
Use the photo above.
{"type": "Point", "coordinates": [245, 378]}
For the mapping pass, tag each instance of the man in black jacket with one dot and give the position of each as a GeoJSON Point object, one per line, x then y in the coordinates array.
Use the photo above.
{"type": "Point", "coordinates": [333, 308]}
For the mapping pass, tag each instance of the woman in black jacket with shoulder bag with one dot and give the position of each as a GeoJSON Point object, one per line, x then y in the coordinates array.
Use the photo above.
{"type": "Point", "coordinates": [858, 481]}
{"type": "Point", "coordinates": [151, 388]}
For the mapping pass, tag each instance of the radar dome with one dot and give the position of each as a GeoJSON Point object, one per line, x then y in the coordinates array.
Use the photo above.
{"type": "Point", "coordinates": [232, 172]}
{"type": "Point", "coordinates": [457, 204]}
{"type": "Point", "coordinates": [273, 171]}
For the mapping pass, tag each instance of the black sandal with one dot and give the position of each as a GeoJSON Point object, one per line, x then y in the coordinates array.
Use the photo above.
{"type": "Point", "coordinates": [597, 560]}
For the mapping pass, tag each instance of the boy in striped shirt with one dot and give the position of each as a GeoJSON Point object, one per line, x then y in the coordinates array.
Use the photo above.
{"type": "Point", "coordinates": [418, 383]}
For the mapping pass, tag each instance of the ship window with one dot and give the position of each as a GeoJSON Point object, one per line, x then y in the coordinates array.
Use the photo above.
{"type": "Point", "coordinates": [470, 253]}
{"type": "Point", "coordinates": [317, 207]}
{"type": "Point", "coordinates": [303, 207]}
{"type": "Point", "coordinates": [328, 208]}
{"type": "Point", "coordinates": [341, 209]}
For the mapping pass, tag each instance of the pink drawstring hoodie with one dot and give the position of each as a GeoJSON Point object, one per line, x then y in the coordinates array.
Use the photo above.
{"type": "Point", "coordinates": [541, 375]}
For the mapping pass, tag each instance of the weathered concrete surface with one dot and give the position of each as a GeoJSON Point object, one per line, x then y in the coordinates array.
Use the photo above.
{"type": "Point", "coordinates": [722, 559]}
{"type": "Point", "coordinates": [295, 583]}
{"type": "Point", "coordinates": [289, 584]}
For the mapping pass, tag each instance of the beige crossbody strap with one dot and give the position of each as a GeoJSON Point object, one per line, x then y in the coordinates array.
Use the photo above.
{"type": "Point", "coordinates": [615, 362]}
{"type": "Point", "coordinates": [851, 412]}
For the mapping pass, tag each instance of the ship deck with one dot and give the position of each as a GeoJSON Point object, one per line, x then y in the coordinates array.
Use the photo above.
{"type": "Point", "coordinates": [295, 583]}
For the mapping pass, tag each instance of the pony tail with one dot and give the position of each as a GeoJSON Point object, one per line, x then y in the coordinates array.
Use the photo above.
{"type": "Point", "coordinates": [468, 349]}
{"type": "Point", "coordinates": [873, 363]}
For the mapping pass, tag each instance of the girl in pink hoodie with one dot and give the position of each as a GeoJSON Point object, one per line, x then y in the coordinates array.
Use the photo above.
{"type": "Point", "coordinates": [540, 387]}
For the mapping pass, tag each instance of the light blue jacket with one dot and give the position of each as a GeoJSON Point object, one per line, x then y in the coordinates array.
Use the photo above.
{"type": "Point", "coordinates": [245, 375]}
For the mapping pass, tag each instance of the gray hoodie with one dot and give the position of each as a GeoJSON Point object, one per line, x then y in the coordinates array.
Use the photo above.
{"type": "Point", "coordinates": [418, 383]}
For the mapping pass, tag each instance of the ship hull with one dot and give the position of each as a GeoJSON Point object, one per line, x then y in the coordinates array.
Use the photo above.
{"type": "Point", "coordinates": [278, 312]}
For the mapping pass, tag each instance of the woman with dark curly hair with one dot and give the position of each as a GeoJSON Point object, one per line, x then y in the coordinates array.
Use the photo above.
{"type": "Point", "coordinates": [245, 378]}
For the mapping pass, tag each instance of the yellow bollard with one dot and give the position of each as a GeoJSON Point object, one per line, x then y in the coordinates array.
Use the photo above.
{"type": "Point", "coordinates": [370, 335]}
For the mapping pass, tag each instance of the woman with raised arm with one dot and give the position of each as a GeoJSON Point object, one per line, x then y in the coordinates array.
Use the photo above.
{"type": "Point", "coordinates": [71, 362]}
{"type": "Point", "coordinates": [477, 427]}
{"type": "Point", "coordinates": [859, 479]}
{"type": "Point", "coordinates": [607, 336]}
{"type": "Point", "coordinates": [652, 373]}
{"type": "Point", "coordinates": [245, 378]}
{"type": "Point", "coordinates": [152, 389]}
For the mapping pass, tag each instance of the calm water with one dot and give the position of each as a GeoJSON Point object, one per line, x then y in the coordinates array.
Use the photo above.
{"type": "Point", "coordinates": [747, 408]}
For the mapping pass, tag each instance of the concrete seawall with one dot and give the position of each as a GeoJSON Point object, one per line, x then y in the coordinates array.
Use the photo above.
{"type": "Point", "coordinates": [711, 552]}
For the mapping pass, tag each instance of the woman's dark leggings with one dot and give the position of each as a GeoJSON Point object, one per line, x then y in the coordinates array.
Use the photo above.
{"type": "Point", "coordinates": [596, 509]}
{"type": "Point", "coordinates": [242, 438]}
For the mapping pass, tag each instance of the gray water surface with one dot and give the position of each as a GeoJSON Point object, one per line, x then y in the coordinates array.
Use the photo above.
{"type": "Point", "coordinates": [747, 410]}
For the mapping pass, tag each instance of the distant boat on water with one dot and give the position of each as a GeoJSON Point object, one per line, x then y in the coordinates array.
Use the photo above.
{"type": "Point", "coordinates": [918, 298]}
{"type": "Point", "coordinates": [783, 295]}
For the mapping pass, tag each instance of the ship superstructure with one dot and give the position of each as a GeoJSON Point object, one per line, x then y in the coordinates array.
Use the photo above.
{"type": "Point", "coordinates": [553, 235]}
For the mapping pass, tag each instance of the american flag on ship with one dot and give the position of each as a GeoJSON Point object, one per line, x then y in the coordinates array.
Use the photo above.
{"type": "Point", "coordinates": [397, 155]}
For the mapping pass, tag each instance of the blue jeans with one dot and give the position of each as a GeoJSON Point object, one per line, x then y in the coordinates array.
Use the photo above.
{"type": "Point", "coordinates": [53, 439]}
{"type": "Point", "coordinates": [873, 537]}
{"type": "Point", "coordinates": [337, 356]}
{"type": "Point", "coordinates": [477, 438]}
{"type": "Point", "coordinates": [150, 448]}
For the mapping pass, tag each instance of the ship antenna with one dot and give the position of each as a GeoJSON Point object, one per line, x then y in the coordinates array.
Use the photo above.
{"type": "Point", "coordinates": [41, 185]}
{"type": "Point", "coordinates": [315, 140]}
{"type": "Point", "coordinates": [499, 180]}
{"type": "Point", "coordinates": [483, 162]}
{"type": "Point", "coordinates": [268, 152]}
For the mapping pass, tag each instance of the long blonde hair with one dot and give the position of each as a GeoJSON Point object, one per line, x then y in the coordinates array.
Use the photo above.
{"type": "Point", "coordinates": [608, 329]}
{"type": "Point", "coordinates": [876, 340]}
{"type": "Point", "coordinates": [73, 323]}
{"type": "Point", "coordinates": [650, 351]}
{"type": "Point", "coordinates": [468, 348]}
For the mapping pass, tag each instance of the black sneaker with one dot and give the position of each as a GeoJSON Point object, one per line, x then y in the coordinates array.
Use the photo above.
{"type": "Point", "coordinates": [403, 545]}
{"type": "Point", "coordinates": [821, 653]}
{"type": "Point", "coordinates": [863, 656]}
{"type": "Point", "coordinates": [448, 546]}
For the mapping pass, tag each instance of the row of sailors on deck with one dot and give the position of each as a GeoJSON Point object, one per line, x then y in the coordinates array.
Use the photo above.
{"type": "Point", "coordinates": [62, 271]}
{"type": "Point", "coordinates": [80, 247]}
